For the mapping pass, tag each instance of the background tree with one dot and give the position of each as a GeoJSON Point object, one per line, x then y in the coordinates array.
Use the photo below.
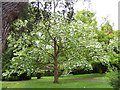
{"type": "Point", "coordinates": [10, 12]}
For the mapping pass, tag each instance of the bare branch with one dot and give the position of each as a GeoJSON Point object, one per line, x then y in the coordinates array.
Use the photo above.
{"type": "Point", "coordinates": [49, 32]}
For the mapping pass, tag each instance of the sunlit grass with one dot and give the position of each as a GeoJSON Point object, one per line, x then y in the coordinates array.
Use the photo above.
{"type": "Point", "coordinates": [70, 81]}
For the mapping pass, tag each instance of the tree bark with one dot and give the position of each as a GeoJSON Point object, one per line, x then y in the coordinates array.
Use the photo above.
{"type": "Point", "coordinates": [0, 31]}
{"type": "Point", "coordinates": [55, 62]}
{"type": "Point", "coordinates": [10, 12]}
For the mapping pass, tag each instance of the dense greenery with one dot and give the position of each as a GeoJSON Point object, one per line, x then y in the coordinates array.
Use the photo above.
{"type": "Point", "coordinates": [50, 41]}
{"type": "Point", "coordinates": [114, 77]}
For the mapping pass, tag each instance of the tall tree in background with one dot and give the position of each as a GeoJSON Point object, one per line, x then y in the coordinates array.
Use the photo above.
{"type": "Point", "coordinates": [10, 12]}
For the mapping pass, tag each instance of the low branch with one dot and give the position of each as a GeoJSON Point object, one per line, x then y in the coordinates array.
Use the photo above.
{"type": "Point", "coordinates": [47, 42]}
{"type": "Point", "coordinates": [49, 32]}
{"type": "Point", "coordinates": [47, 52]}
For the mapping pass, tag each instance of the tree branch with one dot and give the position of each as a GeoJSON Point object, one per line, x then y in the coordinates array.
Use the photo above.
{"type": "Point", "coordinates": [47, 42]}
{"type": "Point", "coordinates": [49, 32]}
{"type": "Point", "coordinates": [47, 52]}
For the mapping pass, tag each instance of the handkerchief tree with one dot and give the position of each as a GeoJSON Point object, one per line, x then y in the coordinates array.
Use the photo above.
{"type": "Point", "coordinates": [57, 40]}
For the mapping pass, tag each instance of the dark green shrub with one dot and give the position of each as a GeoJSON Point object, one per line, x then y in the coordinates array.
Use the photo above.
{"type": "Point", "coordinates": [15, 76]}
{"type": "Point", "coordinates": [79, 70]}
{"type": "Point", "coordinates": [99, 68]}
{"type": "Point", "coordinates": [49, 73]}
{"type": "Point", "coordinates": [114, 77]}
{"type": "Point", "coordinates": [10, 77]}
{"type": "Point", "coordinates": [38, 75]}
{"type": "Point", "coordinates": [24, 76]}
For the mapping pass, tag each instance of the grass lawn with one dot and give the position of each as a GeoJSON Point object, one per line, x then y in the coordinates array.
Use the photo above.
{"type": "Point", "coordinates": [70, 81]}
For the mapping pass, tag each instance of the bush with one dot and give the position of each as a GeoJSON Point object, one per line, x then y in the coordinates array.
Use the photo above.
{"type": "Point", "coordinates": [15, 76]}
{"type": "Point", "coordinates": [38, 75]}
{"type": "Point", "coordinates": [114, 77]}
{"type": "Point", "coordinates": [78, 70]}
{"type": "Point", "coordinates": [51, 73]}
{"type": "Point", "coordinates": [10, 77]}
{"type": "Point", "coordinates": [99, 68]}
{"type": "Point", "coordinates": [24, 76]}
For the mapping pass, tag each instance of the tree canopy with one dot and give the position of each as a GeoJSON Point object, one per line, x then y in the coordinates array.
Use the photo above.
{"type": "Point", "coordinates": [44, 39]}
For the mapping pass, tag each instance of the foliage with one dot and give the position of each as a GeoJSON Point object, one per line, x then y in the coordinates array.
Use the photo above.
{"type": "Point", "coordinates": [13, 75]}
{"type": "Point", "coordinates": [36, 45]}
{"type": "Point", "coordinates": [86, 17]}
{"type": "Point", "coordinates": [25, 57]}
{"type": "Point", "coordinates": [114, 77]}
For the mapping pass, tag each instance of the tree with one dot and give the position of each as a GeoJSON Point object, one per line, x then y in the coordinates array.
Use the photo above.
{"type": "Point", "coordinates": [109, 37]}
{"type": "Point", "coordinates": [55, 41]}
{"type": "Point", "coordinates": [88, 20]}
{"type": "Point", "coordinates": [73, 42]}
{"type": "Point", "coordinates": [10, 12]}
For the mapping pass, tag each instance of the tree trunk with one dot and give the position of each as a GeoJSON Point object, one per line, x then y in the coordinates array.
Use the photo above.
{"type": "Point", "coordinates": [10, 12]}
{"type": "Point", "coordinates": [0, 32]}
{"type": "Point", "coordinates": [55, 62]}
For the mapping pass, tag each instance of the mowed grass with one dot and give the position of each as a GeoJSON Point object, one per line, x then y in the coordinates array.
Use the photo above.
{"type": "Point", "coordinates": [70, 81]}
